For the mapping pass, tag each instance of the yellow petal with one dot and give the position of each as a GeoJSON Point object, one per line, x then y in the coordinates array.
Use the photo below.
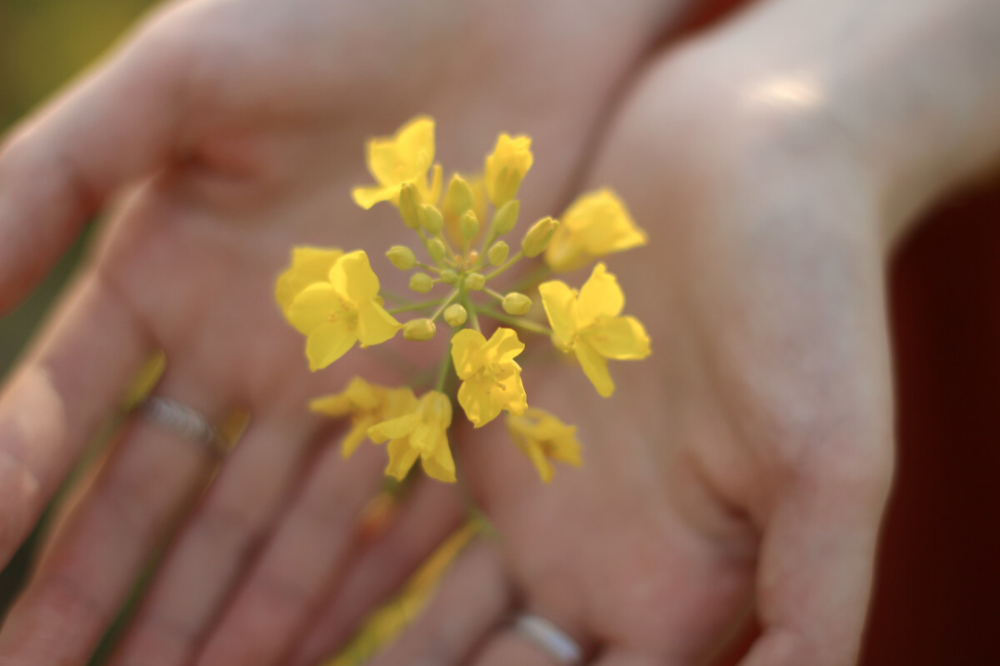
{"type": "Point", "coordinates": [357, 434]}
{"type": "Point", "coordinates": [595, 367]}
{"type": "Point", "coordinates": [479, 403]}
{"type": "Point", "coordinates": [396, 428]}
{"type": "Point", "coordinates": [465, 347]}
{"type": "Point", "coordinates": [375, 324]}
{"type": "Point", "coordinates": [560, 304]}
{"type": "Point", "coordinates": [309, 265]}
{"type": "Point", "coordinates": [401, 458]}
{"type": "Point", "coordinates": [620, 338]}
{"type": "Point", "coordinates": [600, 296]}
{"type": "Point", "coordinates": [503, 346]}
{"type": "Point", "coordinates": [329, 342]}
{"type": "Point", "coordinates": [366, 197]}
{"type": "Point", "coordinates": [313, 306]}
{"type": "Point", "coordinates": [533, 450]}
{"type": "Point", "coordinates": [337, 405]}
{"type": "Point", "coordinates": [353, 278]}
{"type": "Point", "coordinates": [440, 465]}
{"type": "Point", "coordinates": [506, 167]}
{"type": "Point", "coordinates": [404, 157]}
{"type": "Point", "coordinates": [364, 396]}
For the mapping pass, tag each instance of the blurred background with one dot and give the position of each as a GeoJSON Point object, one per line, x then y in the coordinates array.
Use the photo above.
{"type": "Point", "coordinates": [937, 599]}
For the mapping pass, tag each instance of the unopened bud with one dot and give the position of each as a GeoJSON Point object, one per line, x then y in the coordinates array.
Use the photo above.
{"type": "Point", "coordinates": [402, 257]}
{"type": "Point", "coordinates": [475, 281]}
{"type": "Point", "coordinates": [436, 249]}
{"type": "Point", "coordinates": [516, 303]}
{"type": "Point", "coordinates": [459, 197]}
{"type": "Point", "coordinates": [468, 224]}
{"type": "Point", "coordinates": [409, 201]}
{"type": "Point", "coordinates": [455, 315]}
{"type": "Point", "coordinates": [431, 218]}
{"type": "Point", "coordinates": [421, 283]}
{"type": "Point", "coordinates": [419, 329]}
{"type": "Point", "coordinates": [449, 276]}
{"type": "Point", "coordinates": [498, 253]}
{"type": "Point", "coordinates": [539, 236]}
{"type": "Point", "coordinates": [506, 217]}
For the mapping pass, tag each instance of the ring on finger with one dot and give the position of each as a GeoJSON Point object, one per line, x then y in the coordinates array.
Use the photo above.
{"type": "Point", "coordinates": [549, 638]}
{"type": "Point", "coordinates": [184, 422]}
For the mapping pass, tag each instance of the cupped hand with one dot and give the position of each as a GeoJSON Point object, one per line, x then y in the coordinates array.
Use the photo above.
{"type": "Point", "coordinates": [226, 133]}
{"type": "Point", "coordinates": [744, 467]}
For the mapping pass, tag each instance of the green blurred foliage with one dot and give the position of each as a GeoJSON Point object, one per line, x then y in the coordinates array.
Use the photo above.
{"type": "Point", "coordinates": [43, 45]}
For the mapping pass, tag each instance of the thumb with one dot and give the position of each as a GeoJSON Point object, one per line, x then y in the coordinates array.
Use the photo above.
{"type": "Point", "coordinates": [61, 165]}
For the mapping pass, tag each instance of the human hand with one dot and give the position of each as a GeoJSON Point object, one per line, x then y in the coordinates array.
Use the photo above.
{"type": "Point", "coordinates": [229, 132]}
{"type": "Point", "coordinates": [745, 466]}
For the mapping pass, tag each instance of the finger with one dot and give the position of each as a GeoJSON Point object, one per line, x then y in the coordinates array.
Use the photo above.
{"type": "Point", "coordinates": [815, 573]}
{"type": "Point", "coordinates": [429, 515]}
{"type": "Point", "coordinates": [61, 165]}
{"type": "Point", "coordinates": [91, 567]}
{"type": "Point", "coordinates": [303, 559]}
{"type": "Point", "coordinates": [215, 547]}
{"type": "Point", "coordinates": [623, 657]}
{"type": "Point", "coordinates": [472, 600]}
{"type": "Point", "coordinates": [515, 644]}
{"type": "Point", "coordinates": [59, 396]}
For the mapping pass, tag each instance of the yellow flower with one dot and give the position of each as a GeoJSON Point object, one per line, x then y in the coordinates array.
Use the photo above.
{"type": "Point", "coordinates": [491, 377]}
{"type": "Point", "coordinates": [506, 167]}
{"type": "Point", "coordinates": [422, 433]}
{"type": "Point", "coordinates": [400, 159]}
{"type": "Point", "coordinates": [542, 436]}
{"type": "Point", "coordinates": [366, 404]}
{"type": "Point", "coordinates": [309, 265]}
{"type": "Point", "coordinates": [594, 225]}
{"type": "Point", "coordinates": [588, 324]}
{"type": "Point", "coordinates": [341, 311]}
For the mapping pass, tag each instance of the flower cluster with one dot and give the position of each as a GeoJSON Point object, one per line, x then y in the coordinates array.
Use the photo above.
{"type": "Point", "coordinates": [334, 299]}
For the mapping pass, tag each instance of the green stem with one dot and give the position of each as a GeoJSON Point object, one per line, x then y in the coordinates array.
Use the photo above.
{"type": "Point", "coordinates": [510, 262]}
{"type": "Point", "coordinates": [394, 297]}
{"type": "Point", "coordinates": [445, 303]}
{"type": "Point", "coordinates": [443, 370]}
{"type": "Point", "coordinates": [533, 279]}
{"type": "Point", "coordinates": [471, 309]}
{"type": "Point", "coordinates": [415, 306]}
{"type": "Point", "coordinates": [428, 267]}
{"type": "Point", "coordinates": [495, 294]}
{"type": "Point", "coordinates": [514, 321]}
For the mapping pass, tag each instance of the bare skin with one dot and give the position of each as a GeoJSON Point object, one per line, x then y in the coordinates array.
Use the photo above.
{"type": "Point", "coordinates": [746, 464]}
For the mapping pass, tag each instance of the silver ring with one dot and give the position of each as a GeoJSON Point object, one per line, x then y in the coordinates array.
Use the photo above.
{"type": "Point", "coordinates": [185, 422]}
{"type": "Point", "coordinates": [550, 638]}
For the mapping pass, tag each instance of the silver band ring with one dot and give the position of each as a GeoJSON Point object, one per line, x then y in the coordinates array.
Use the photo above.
{"type": "Point", "coordinates": [185, 422]}
{"type": "Point", "coordinates": [550, 638]}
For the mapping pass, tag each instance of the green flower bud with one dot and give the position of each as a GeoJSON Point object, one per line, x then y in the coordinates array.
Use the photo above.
{"type": "Point", "coordinates": [506, 217]}
{"type": "Point", "coordinates": [455, 315]}
{"type": "Point", "coordinates": [515, 303]}
{"type": "Point", "coordinates": [421, 283]}
{"type": "Point", "coordinates": [539, 236]}
{"type": "Point", "coordinates": [475, 281]}
{"type": "Point", "coordinates": [419, 329]}
{"type": "Point", "coordinates": [469, 225]}
{"type": "Point", "coordinates": [449, 276]}
{"type": "Point", "coordinates": [402, 257]}
{"type": "Point", "coordinates": [431, 219]}
{"type": "Point", "coordinates": [409, 201]}
{"type": "Point", "coordinates": [436, 249]}
{"type": "Point", "coordinates": [498, 253]}
{"type": "Point", "coordinates": [459, 197]}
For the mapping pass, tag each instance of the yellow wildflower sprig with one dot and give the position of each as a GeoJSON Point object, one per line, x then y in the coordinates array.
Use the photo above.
{"type": "Point", "coordinates": [333, 298]}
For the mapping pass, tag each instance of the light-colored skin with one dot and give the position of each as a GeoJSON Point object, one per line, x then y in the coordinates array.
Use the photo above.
{"type": "Point", "coordinates": [773, 161]}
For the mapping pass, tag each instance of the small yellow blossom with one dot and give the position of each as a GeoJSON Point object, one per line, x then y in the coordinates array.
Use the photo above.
{"type": "Point", "coordinates": [342, 311]}
{"type": "Point", "coordinates": [309, 265]}
{"type": "Point", "coordinates": [506, 167]}
{"type": "Point", "coordinates": [491, 377]}
{"type": "Point", "coordinates": [366, 404]}
{"type": "Point", "coordinates": [400, 159]}
{"type": "Point", "coordinates": [422, 433]}
{"type": "Point", "coordinates": [452, 217]}
{"type": "Point", "coordinates": [589, 324]}
{"type": "Point", "coordinates": [594, 225]}
{"type": "Point", "coordinates": [543, 437]}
